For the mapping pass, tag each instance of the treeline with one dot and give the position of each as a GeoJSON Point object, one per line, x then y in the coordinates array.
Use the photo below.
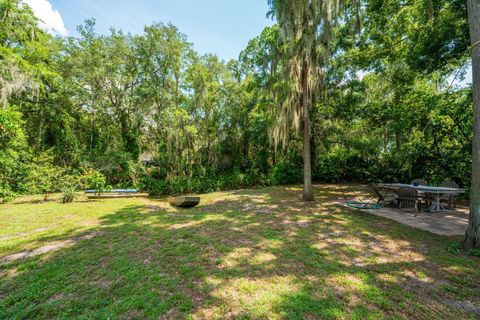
{"type": "Point", "coordinates": [147, 111]}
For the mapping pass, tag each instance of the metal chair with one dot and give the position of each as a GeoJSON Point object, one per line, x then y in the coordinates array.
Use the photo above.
{"type": "Point", "coordinates": [385, 195]}
{"type": "Point", "coordinates": [408, 197]}
{"type": "Point", "coordinates": [449, 198]}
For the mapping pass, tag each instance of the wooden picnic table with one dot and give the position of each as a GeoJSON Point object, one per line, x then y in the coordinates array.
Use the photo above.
{"type": "Point", "coordinates": [435, 192]}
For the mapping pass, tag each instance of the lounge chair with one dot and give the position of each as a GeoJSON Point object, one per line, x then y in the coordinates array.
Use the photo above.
{"type": "Point", "coordinates": [385, 195]}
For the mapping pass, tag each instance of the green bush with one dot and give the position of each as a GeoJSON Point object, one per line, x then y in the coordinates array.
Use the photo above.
{"type": "Point", "coordinates": [119, 169]}
{"type": "Point", "coordinates": [68, 194]}
{"type": "Point", "coordinates": [474, 252]}
{"type": "Point", "coordinates": [95, 180]}
{"type": "Point", "coordinates": [286, 172]}
{"type": "Point", "coordinates": [13, 147]}
{"type": "Point", "coordinates": [153, 185]}
{"type": "Point", "coordinates": [454, 247]}
{"type": "Point", "coordinates": [40, 175]}
{"type": "Point", "coordinates": [6, 195]}
{"type": "Point", "coordinates": [175, 185]}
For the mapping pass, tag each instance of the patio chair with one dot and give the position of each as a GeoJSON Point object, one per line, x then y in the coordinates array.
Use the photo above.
{"type": "Point", "coordinates": [385, 195]}
{"type": "Point", "coordinates": [449, 198]}
{"type": "Point", "coordinates": [408, 197]}
{"type": "Point", "coordinates": [425, 197]}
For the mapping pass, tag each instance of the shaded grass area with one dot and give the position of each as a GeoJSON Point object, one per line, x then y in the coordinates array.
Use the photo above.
{"type": "Point", "coordinates": [248, 254]}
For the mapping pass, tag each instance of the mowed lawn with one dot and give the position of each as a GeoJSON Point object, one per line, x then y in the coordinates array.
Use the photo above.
{"type": "Point", "coordinates": [248, 254]}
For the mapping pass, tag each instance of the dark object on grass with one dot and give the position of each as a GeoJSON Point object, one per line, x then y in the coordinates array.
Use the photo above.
{"type": "Point", "coordinates": [184, 202]}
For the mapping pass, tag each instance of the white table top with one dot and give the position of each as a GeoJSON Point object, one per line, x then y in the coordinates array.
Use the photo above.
{"type": "Point", "coordinates": [429, 189]}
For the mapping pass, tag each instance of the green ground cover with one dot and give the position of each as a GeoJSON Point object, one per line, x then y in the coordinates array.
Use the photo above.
{"type": "Point", "coordinates": [247, 254]}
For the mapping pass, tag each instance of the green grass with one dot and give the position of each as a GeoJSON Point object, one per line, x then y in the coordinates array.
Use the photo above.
{"type": "Point", "coordinates": [250, 254]}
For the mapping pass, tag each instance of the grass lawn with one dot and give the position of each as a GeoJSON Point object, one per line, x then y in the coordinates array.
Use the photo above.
{"type": "Point", "coordinates": [249, 254]}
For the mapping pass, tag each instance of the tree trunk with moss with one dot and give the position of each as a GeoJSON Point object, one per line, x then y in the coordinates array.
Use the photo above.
{"type": "Point", "coordinates": [307, 154]}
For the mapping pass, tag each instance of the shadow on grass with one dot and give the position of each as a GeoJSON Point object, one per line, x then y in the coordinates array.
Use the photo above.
{"type": "Point", "coordinates": [253, 254]}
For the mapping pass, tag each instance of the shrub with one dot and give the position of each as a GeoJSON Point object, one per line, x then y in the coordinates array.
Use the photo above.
{"type": "Point", "coordinates": [174, 185]}
{"type": "Point", "coordinates": [153, 185]}
{"type": "Point", "coordinates": [69, 194]}
{"type": "Point", "coordinates": [6, 195]}
{"type": "Point", "coordinates": [95, 180]}
{"type": "Point", "coordinates": [454, 247]}
{"type": "Point", "coordinates": [119, 168]}
{"type": "Point", "coordinates": [13, 147]}
{"type": "Point", "coordinates": [40, 175]}
{"type": "Point", "coordinates": [474, 252]}
{"type": "Point", "coordinates": [286, 172]}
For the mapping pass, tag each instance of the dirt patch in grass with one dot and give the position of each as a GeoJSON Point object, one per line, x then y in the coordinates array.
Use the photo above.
{"type": "Point", "coordinates": [102, 283]}
{"type": "Point", "coordinates": [45, 249]}
{"type": "Point", "coordinates": [22, 234]}
{"type": "Point", "coordinates": [465, 305]}
{"type": "Point", "coordinates": [56, 297]}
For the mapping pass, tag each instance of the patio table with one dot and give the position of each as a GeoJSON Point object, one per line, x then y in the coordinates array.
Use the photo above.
{"type": "Point", "coordinates": [436, 193]}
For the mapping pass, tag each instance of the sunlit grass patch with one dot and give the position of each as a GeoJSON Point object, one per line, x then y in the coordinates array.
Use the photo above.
{"type": "Point", "coordinates": [249, 254]}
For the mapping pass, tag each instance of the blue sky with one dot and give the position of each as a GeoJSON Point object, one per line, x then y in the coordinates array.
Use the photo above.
{"type": "Point", "coordinates": [213, 26]}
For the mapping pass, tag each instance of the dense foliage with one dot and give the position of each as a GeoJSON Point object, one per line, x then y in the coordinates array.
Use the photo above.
{"type": "Point", "coordinates": [147, 111]}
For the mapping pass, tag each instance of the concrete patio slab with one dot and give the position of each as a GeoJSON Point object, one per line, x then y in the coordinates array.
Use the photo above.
{"type": "Point", "coordinates": [448, 223]}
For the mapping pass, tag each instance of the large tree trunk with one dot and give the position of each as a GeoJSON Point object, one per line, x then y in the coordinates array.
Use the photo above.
{"type": "Point", "coordinates": [307, 155]}
{"type": "Point", "coordinates": [472, 236]}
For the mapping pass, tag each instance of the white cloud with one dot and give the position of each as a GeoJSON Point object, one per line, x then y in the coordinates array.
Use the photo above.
{"type": "Point", "coordinates": [51, 20]}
